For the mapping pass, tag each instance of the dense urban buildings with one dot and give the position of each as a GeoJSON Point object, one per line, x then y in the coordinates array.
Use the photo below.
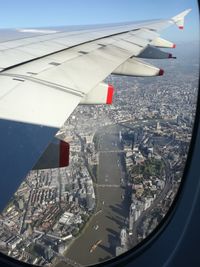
{"type": "Point", "coordinates": [126, 165]}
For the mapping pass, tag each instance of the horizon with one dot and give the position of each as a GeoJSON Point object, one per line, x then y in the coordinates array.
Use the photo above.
{"type": "Point", "coordinates": [44, 14]}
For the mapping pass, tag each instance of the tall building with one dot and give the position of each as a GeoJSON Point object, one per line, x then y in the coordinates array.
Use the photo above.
{"type": "Point", "coordinates": [137, 214]}
{"type": "Point", "coordinates": [131, 218]}
{"type": "Point", "coordinates": [123, 237]}
{"type": "Point", "coordinates": [90, 200]}
{"type": "Point", "coordinates": [120, 136]}
{"type": "Point", "coordinates": [48, 253]}
{"type": "Point", "coordinates": [158, 127]}
{"type": "Point", "coordinates": [21, 204]}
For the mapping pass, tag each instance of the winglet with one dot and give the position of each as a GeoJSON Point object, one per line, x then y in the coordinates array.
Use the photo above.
{"type": "Point", "coordinates": [179, 19]}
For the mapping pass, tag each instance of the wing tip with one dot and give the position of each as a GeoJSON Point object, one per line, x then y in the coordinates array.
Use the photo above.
{"type": "Point", "coordinates": [179, 19]}
{"type": "Point", "coordinates": [182, 14]}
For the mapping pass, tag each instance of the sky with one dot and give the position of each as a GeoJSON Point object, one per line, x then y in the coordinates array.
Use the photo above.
{"type": "Point", "coordinates": [43, 13]}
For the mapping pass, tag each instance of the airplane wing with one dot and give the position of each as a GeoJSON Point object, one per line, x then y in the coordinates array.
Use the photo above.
{"type": "Point", "coordinates": [44, 76]}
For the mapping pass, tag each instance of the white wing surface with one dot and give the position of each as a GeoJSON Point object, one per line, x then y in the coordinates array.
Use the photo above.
{"type": "Point", "coordinates": [54, 71]}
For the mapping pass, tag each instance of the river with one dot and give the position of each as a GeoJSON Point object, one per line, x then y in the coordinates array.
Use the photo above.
{"type": "Point", "coordinates": [106, 224]}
